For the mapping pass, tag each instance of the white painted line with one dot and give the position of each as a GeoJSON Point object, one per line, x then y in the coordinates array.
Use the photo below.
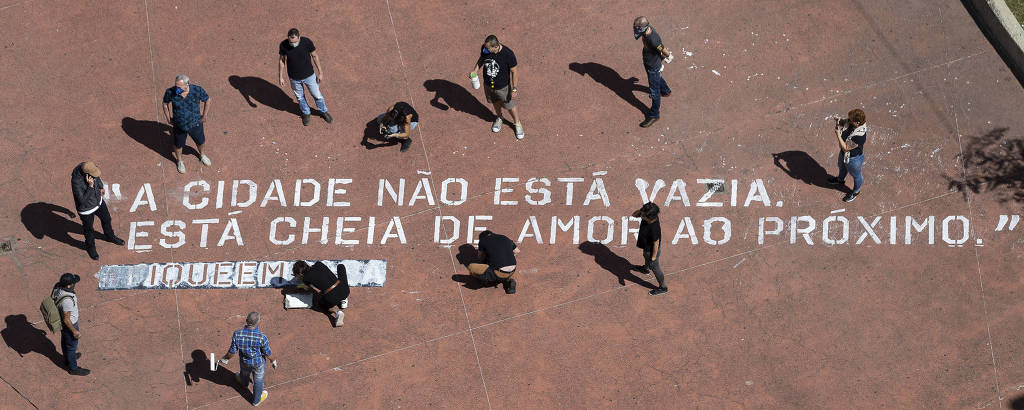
{"type": "Point", "coordinates": [838, 211]}
{"type": "Point", "coordinates": [234, 213]}
{"type": "Point", "coordinates": [716, 73]}
{"type": "Point", "coordinates": [229, 274]}
{"type": "Point", "coordinates": [600, 173]}
{"type": "Point", "coordinates": [423, 172]}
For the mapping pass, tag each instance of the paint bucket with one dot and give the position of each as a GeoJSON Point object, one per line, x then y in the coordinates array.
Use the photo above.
{"type": "Point", "coordinates": [475, 80]}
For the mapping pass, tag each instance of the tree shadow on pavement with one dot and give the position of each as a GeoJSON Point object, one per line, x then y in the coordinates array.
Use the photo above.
{"type": "Point", "coordinates": [199, 370]}
{"type": "Point", "coordinates": [623, 87]}
{"type": "Point", "coordinates": [994, 163]}
{"type": "Point", "coordinates": [43, 219]}
{"type": "Point", "coordinates": [617, 265]}
{"type": "Point", "coordinates": [264, 92]}
{"type": "Point", "coordinates": [24, 338]}
{"type": "Point", "coordinates": [155, 136]}
{"type": "Point", "coordinates": [801, 166]}
{"type": "Point", "coordinates": [457, 98]}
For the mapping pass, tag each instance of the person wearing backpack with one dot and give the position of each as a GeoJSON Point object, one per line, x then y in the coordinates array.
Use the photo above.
{"type": "Point", "coordinates": [67, 302]}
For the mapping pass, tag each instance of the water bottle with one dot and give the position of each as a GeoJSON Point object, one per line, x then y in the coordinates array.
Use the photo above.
{"type": "Point", "coordinates": [475, 80]}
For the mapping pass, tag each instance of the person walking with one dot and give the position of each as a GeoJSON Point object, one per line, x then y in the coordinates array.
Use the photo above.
{"type": "Point", "coordinates": [253, 350]}
{"type": "Point", "coordinates": [649, 239]}
{"type": "Point", "coordinates": [332, 289]}
{"type": "Point", "coordinates": [500, 81]}
{"type": "Point", "coordinates": [398, 121]}
{"type": "Point", "coordinates": [852, 134]}
{"type": "Point", "coordinates": [299, 55]}
{"type": "Point", "coordinates": [67, 301]}
{"type": "Point", "coordinates": [497, 256]}
{"type": "Point", "coordinates": [181, 109]}
{"type": "Point", "coordinates": [88, 190]}
{"type": "Point", "coordinates": [654, 55]}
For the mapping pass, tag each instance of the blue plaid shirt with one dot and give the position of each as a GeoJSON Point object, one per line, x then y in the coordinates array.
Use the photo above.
{"type": "Point", "coordinates": [250, 345]}
{"type": "Point", "coordinates": [186, 110]}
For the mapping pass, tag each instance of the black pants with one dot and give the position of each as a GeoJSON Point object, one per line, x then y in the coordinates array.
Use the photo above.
{"type": "Point", "coordinates": [90, 235]}
{"type": "Point", "coordinates": [69, 346]}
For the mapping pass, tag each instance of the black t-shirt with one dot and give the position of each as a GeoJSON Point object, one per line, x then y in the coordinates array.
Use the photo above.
{"type": "Point", "coordinates": [319, 276]}
{"type": "Point", "coordinates": [652, 50]}
{"type": "Point", "coordinates": [498, 249]}
{"type": "Point", "coordinates": [404, 109]}
{"type": "Point", "coordinates": [497, 67]}
{"type": "Point", "coordinates": [648, 234]}
{"type": "Point", "coordinates": [300, 65]}
{"type": "Point", "coordinates": [857, 139]}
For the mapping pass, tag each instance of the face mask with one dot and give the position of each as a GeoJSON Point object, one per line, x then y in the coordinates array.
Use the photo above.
{"type": "Point", "coordinates": [484, 50]}
{"type": "Point", "coordinates": [639, 31]}
{"type": "Point", "coordinates": [295, 44]}
{"type": "Point", "coordinates": [180, 90]}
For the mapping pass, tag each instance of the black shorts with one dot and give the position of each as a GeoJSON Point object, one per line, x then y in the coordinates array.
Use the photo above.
{"type": "Point", "coordinates": [196, 132]}
{"type": "Point", "coordinates": [491, 276]}
{"type": "Point", "coordinates": [335, 296]}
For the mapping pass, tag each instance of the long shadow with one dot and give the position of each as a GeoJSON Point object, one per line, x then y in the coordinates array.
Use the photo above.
{"type": "Point", "coordinates": [617, 265]}
{"type": "Point", "coordinates": [606, 76]}
{"type": "Point", "coordinates": [457, 98]}
{"type": "Point", "coordinates": [199, 370]}
{"type": "Point", "coordinates": [24, 338]}
{"type": "Point", "coordinates": [372, 133]}
{"type": "Point", "coordinates": [467, 254]}
{"type": "Point", "coordinates": [801, 166]}
{"type": "Point", "coordinates": [264, 92]}
{"type": "Point", "coordinates": [43, 219]}
{"type": "Point", "coordinates": [155, 136]}
{"type": "Point", "coordinates": [994, 164]}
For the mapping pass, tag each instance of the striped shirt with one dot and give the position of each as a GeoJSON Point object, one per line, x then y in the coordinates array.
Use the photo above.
{"type": "Point", "coordinates": [250, 345]}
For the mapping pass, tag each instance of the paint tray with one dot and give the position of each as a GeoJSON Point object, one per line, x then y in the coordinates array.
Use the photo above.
{"type": "Point", "coordinates": [298, 301]}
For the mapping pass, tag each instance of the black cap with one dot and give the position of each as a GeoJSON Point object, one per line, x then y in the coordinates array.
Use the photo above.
{"type": "Point", "coordinates": [68, 279]}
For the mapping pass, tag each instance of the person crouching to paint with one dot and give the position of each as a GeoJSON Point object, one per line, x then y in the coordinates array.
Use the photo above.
{"type": "Point", "coordinates": [332, 290]}
{"type": "Point", "coordinates": [497, 256]}
{"type": "Point", "coordinates": [398, 122]}
{"type": "Point", "coordinates": [852, 133]}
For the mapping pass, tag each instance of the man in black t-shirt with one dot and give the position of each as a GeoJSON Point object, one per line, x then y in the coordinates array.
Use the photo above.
{"type": "Point", "coordinates": [649, 239]}
{"type": "Point", "coordinates": [299, 55]}
{"type": "Point", "coordinates": [852, 134]}
{"type": "Point", "coordinates": [500, 80]}
{"type": "Point", "coordinates": [332, 290]}
{"type": "Point", "coordinates": [497, 255]}
{"type": "Point", "coordinates": [398, 121]}
{"type": "Point", "coordinates": [654, 55]}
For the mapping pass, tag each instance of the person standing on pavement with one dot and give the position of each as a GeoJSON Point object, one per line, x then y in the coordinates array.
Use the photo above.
{"type": "Point", "coordinates": [88, 190]}
{"type": "Point", "coordinates": [649, 239]}
{"type": "Point", "coordinates": [181, 109]}
{"type": "Point", "coordinates": [852, 134]}
{"type": "Point", "coordinates": [497, 256]}
{"type": "Point", "coordinates": [331, 289]}
{"type": "Point", "coordinates": [398, 121]}
{"type": "Point", "coordinates": [500, 81]}
{"type": "Point", "coordinates": [67, 301]}
{"type": "Point", "coordinates": [299, 55]}
{"type": "Point", "coordinates": [253, 350]}
{"type": "Point", "coordinates": [654, 55]}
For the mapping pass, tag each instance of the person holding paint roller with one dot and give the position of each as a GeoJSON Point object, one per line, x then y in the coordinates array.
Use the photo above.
{"type": "Point", "coordinates": [655, 56]}
{"type": "Point", "coordinates": [500, 81]}
{"type": "Point", "coordinates": [251, 346]}
{"type": "Point", "coordinates": [332, 290]}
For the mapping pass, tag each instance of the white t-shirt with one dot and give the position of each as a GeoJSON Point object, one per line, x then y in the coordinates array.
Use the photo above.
{"type": "Point", "coordinates": [69, 305]}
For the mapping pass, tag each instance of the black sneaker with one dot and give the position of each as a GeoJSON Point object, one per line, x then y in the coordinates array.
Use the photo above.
{"type": "Point", "coordinates": [850, 196]}
{"type": "Point", "coordinates": [81, 371]}
{"type": "Point", "coordinates": [834, 181]}
{"type": "Point", "coordinates": [115, 240]}
{"type": "Point", "coordinates": [510, 287]}
{"type": "Point", "coordinates": [406, 143]}
{"type": "Point", "coordinates": [658, 291]}
{"type": "Point", "coordinates": [642, 269]}
{"type": "Point", "coordinates": [648, 122]}
{"type": "Point", "coordinates": [92, 254]}
{"type": "Point", "coordinates": [305, 119]}
{"type": "Point", "coordinates": [327, 117]}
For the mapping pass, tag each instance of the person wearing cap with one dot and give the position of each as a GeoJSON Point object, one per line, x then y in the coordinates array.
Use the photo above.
{"type": "Point", "coordinates": [88, 190]}
{"type": "Point", "coordinates": [497, 256]}
{"type": "Point", "coordinates": [181, 110]}
{"type": "Point", "coordinates": [251, 346]}
{"type": "Point", "coordinates": [332, 290]}
{"type": "Point", "coordinates": [654, 55]}
{"type": "Point", "coordinates": [64, 293]}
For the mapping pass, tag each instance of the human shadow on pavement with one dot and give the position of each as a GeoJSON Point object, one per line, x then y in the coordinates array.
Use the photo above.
{"type": "Point", "coordinates": [264, 92]}
{"type": "Point", "coordinates": [617, 265]}
{"type": "Point", "coordinates": [43, 219]}
{"type": "Point", "coordinates": [155, 136]}
{"type": "Point", "coordinates": [199, 370]}
{"type": "Point", "coordinates": [801, 166]}
{"type": "Point", "coordinates": [456, 97]}
{"type": "Point", "coordinates": [372, 133]}
{"type": "Point", "coordinates": [24, 338]}
{"type": "Point", "coordinates": [994, 164]}
{"type": "Point", "coordinates": [467, 255]}
{"type": "Point", "coordinates": [606, 76]}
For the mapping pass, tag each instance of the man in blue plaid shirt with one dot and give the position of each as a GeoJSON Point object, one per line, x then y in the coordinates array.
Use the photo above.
{"type": "Point", "coordinates": [251, 346]}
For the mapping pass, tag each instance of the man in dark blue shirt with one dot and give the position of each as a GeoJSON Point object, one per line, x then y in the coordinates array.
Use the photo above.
{"type": "Point", "coordinates": [654, 55]}
{"type": "Point", "coordinates": [181, 109]}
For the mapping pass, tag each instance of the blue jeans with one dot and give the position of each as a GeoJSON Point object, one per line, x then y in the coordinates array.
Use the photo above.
{"type": "Point", "coordinates": [658, 86]}
{"type": "Point", "coordinates": [314, 89]}
{"type": "Point", "coordinates": [393, 129]}
{"type": "Point", "coordinates": [853, 167]}
{"type": "Point", "coordinates": [69, 347]}
{"type": "Point", "coordinates": [257, 372]}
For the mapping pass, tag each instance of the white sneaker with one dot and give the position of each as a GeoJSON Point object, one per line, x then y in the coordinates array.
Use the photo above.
{"type": "Point", "coordinates": [497, 125]}
{"type": "Point", "coordinates": [181, 167]}
{"type": "Point", "coordinates": [205, 160]}
{"type": "Point", "coordinates": [263, 398]}
{"type": "Point", "coordinates": [340, 319]}
{"type": "Point", "coordinates": [519, 131]}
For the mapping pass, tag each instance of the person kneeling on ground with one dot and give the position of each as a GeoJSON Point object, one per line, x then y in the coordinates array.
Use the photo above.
{"type": "Point", "coordinates": [332, 290]}
{"type": "Point", "coordinates": [497, 255]}
{"type": "Point", "coordinates": [398, 122]}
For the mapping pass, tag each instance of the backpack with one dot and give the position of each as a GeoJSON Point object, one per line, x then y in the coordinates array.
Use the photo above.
{"type": "Point", "coordinates": [51, 313]}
